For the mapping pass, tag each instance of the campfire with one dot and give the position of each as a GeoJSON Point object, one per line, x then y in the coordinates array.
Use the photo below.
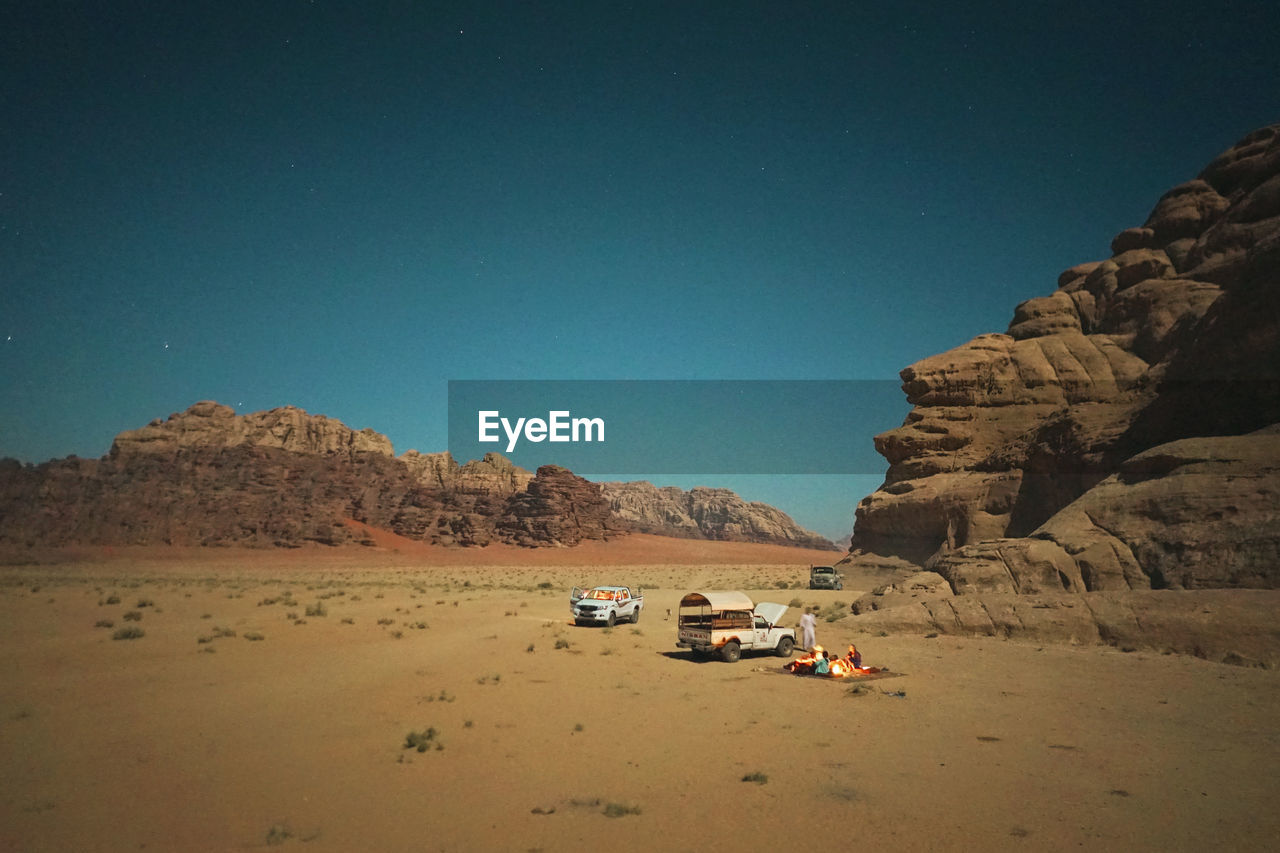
{"type": "Point", "coordinates": [849, 665]}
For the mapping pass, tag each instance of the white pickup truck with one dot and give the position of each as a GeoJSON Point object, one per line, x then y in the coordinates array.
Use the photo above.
{"type": "Point", "coordinates": [607, 604]}
{"type": "Point", "coordinates": [728, 623]}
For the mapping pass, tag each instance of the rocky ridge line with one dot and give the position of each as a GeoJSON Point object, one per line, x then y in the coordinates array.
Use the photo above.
{"type": "Point", "coordinates": [706, 513]}
{"type": "Point", "coordinates": [207, 476]}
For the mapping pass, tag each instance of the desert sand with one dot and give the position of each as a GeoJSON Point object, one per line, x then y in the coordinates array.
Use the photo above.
{"type": "Point", "coordinates": [269, 700]}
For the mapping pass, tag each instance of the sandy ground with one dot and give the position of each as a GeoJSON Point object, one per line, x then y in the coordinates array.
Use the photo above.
{"type": "Point", "coordinates": [547, 736]}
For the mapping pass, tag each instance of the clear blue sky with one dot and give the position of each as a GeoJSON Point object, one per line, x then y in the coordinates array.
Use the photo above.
{"type": "Point", "coordinates": [317, 204]}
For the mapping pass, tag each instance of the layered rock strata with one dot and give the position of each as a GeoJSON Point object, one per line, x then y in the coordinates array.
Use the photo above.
{"type": "Point", "coordinates": [1108, 469]}
{"type": "Point", "coordinates": [207, 476]}
{"type": "Point", "coordinates": [282, 477]}
{"type": "Point", "coordinates": [1053, 454]}
{"type": "Point", "coordinates": [705, 513]}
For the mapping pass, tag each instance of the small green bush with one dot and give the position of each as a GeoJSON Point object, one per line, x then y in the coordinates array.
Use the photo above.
{"type": "Point", "coordinates": [129, 632]}
{"type": "Point", "coordinates": [757, 777]}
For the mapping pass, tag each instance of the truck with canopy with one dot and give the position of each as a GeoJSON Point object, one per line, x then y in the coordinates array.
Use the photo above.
{"type": "Point", "coordinates": [728, 623]}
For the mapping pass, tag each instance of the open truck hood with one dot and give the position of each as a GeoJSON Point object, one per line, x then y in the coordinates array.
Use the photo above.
{"type": "Point", "coordinates": [771, 612]}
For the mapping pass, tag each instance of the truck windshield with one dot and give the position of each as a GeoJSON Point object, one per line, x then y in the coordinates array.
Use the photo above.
{"type": "Point", "coordinates": [603, 594]}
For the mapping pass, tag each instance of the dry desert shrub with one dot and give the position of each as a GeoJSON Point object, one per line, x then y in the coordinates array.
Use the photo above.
{"type": "Point", "coordinates": [129, 632]}
{"type": "Point", "coordinates": [423, 740]}
{"type": "Point", "coordinates": [278, 834]}
{"type": "Point", "coordinates": [620, 810]}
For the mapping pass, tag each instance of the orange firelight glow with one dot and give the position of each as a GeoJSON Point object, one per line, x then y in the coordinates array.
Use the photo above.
{"type": "Point", "coordinates": [839, 667]}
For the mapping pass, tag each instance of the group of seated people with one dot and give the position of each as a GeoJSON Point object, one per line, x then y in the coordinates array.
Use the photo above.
{"type": "Point", "coordinates": [820, 662]}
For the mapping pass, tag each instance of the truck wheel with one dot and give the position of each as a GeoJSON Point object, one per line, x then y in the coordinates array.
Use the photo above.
{"type": "Point", "coordinates": [731, 651]}
{"type": "Point", "coordinates": [839, 586]}
{"type": "Point", "coordinates": [785, 645]}
{"type": "Point", "coordinates": [635, 616]}
{"type": "Point", "coordinates": [613, 618]}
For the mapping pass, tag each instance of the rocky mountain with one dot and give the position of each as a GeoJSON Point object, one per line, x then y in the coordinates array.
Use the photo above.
{"type": "Point", "coordinates": [705, 513]}
{"type": "Point", "coordinates": [208, 476]}
{"type": "Point", "coordinates": [1122, 433]}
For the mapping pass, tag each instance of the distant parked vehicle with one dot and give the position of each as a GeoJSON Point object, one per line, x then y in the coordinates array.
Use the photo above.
{"type": "Point", "coordinates": [607, 604]}
{"type": "Point", "coordinates": [825, 577]}
{"type": "Point", "coordinates": [728, 623]}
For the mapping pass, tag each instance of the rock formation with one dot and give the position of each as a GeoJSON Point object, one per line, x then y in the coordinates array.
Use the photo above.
{"type": "Point", "coordinates": [208, 476]}
{"type": "Point", "coordinates": [283, 477]}
{"type": "Point", "coordinates": [492, 475]}
{"type": "Point", "coordinates": [705, 513]}
{"type": "Point", "coordinates": [1121, 434]}
{"type": "Point", "coordinates": [559, 508]}
{"type": "Point", "coordinates": [208, 425]}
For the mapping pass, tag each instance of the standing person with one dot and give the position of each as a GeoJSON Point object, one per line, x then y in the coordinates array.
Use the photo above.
{"type": "Point", "coordinates": [808, 627]}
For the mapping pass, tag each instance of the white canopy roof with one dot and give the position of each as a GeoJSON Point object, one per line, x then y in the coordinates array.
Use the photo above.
{"type": "Point", "coordinates": [718, 600]}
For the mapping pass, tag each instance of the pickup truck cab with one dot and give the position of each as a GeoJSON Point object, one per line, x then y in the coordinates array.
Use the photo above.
{"type": "Point", "coordinates": [729, 624]}
{"type": "Point", "coordinates": [825, 577]}
{"type": "Point", "coordinates": [607, 604]}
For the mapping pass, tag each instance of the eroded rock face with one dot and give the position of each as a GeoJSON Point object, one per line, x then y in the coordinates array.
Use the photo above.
{"type": "Point", "coordinates": [558, 508]}
{"type": "Point", "coordinates": [1230, 626]}
{"type": "Point", "coordinates": [705, 513]}
{"type": "Point", "coordinates": [1191, 514]}
{"type": "Point", "coordinates": [1017, 469]}
{"type": "Point", "coordinates": [277, 478]}
{"type": "Point", "coordinates": [492, 475]}
{"type": "Point", "coordinates": [210, 425]}
{"type": "Point", "coordinates": [284, 478]}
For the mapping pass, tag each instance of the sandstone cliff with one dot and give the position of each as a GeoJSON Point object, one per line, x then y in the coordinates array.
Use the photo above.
{"type": "Point", "coordinates": [209, 425]}
{"type": "Point", "coordinates": [208, 476]}
{"type": "Point", "coordinates": [1120, 435]}
{"type": "Point", "coordinates": [283, 477]}
{"type": "Point", "coordinates": [705, 513]}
